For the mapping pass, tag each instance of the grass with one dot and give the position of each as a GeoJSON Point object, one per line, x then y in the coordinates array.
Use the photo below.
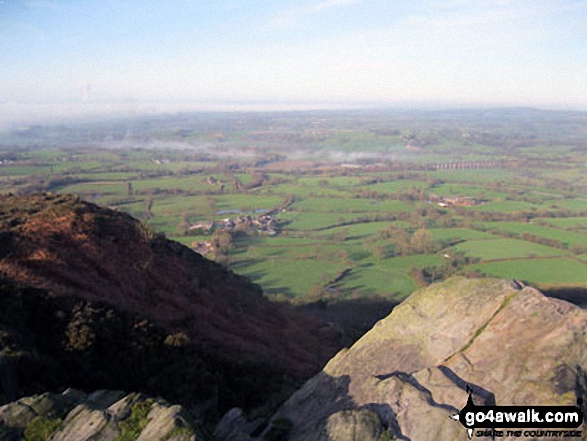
{"type": "Point", "coordinates": [246, 202]}
{"type": "Point", "coordinates": [569, 204]}
{"type": "Point", "coordinates": [312, 221]}
{"type": "Point", "coordinates": [304, 191]}
{"type": "Point", "coordinates": [131, 428]}
{"type": "Point", "coordinates": [359, 230]}
{"type": "Point", "coordinates": [496, 249]}
{"type": "Point", "coordinates": [395, 186]}
{"type": "Point", "coordinates": [350, 205]}
{"type": "Point", "coordinates": [409, 262]}
{"type": "Point", "coordinates": [476, 175]}
{"type": "Point", "coordinates": [392, 283]}
{"type": "Point", "coordinates": [569, 222]}
{"type": "Point", "coordinates": [567, 238]}
{"type": "Point", "coordinates": [462, 189]}
{"type": "Point", "coordinates": [41, 428]}
{"type": "Point", "coordinates": [179, 432]}
{"type": "Point", "coordinates": [557, 270]}
{"type": "Point", "coordinates": [277, 262]}
{"type": "Point", "coordinates": [97, 188]}
{"type": "Point", "coordinates": [313, 244]}
{"type": "Point", "coordinates": [337, 181]}
{"type": "Point", "coordinates": [188, 240]}
{"type": "Point", "coordinates": [283, 276]}
{"type": "Point", "coordinates": [506, 206]}
{"type": "Point", "coordinates": [442, 234]}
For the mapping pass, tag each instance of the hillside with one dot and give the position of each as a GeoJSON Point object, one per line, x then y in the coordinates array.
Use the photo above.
{"type": "Point", "coordinates": [92, 299]}
{"type": "Point", "coordinates": [404, 378]}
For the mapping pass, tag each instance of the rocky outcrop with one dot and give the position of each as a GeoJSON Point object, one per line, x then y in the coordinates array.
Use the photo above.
{"type": "Point", "coordinates": [404, 378]}
{"type": "Point", "coordinates": [102, 415]}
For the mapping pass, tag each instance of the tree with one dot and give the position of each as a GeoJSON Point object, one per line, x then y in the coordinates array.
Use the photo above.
{"type": "Point", "coordinates": [379, 251]}
{"type": "Point", "coordinates": [421, 241]}
{"type": "Point", "coordinates": [400, 238]}
{"type": "Point", "coordinates": [221, 241]}
{"type": "Point", "coordinates": [148, 207]}
{"type": "Point", "coordinates": [183, 226]}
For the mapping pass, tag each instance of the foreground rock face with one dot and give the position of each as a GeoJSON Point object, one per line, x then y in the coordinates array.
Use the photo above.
{"type": "Point", "coordinates": [404, 378]}
{"type": "Point", "coordinates": [102, 415]}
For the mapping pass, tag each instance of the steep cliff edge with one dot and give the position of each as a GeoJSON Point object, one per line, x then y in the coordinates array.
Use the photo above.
{"type": "Point", "coordinates": [90, 298]}
{"type": "Point", "coordinates": [404, 378]}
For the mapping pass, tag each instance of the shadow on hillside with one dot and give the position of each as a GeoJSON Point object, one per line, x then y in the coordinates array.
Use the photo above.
{"type": "Point", "coordinates": [576, 295]}
{"type": "Point", "coordinates": [353, 317]}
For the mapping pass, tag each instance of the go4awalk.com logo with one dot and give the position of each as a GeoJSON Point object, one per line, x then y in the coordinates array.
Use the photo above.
{"type": "Point", "coordinates": [521, 421]}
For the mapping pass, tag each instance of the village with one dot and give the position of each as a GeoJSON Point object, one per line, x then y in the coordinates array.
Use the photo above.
{"type": "Point", "coordinates": [264, 224]}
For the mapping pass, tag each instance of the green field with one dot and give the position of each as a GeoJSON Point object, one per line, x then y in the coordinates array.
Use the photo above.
{"type": "Point", "coordinates": [498, 249]}
{"type": "Point", "coordinates": [350, 205]}
{"type": "Point", "coordinates": [445, 234]}
{"type": "Point", "coordinates": [359, 195]}
{"type": "Point", "coordinates": [570, 222]}
{"type": "Point", "coordinates": [506, 206]}
{"type": "Point", "coordinates": [537, 271]}
{"type": "Point", "coordinates": [565, 237]}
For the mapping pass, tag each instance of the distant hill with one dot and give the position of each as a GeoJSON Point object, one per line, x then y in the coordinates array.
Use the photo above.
{"type": "Point", "coordinates": [91, 298]}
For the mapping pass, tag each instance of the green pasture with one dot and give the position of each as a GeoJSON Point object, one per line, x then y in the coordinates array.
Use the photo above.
{"type": "Point", "coordinates": [246, 202]}
{"type": "Point", "coordinates": [519, 228]}
{"type": "Point", "coordinates": [350, 205]}
{"type": "Point", "coordinates": [463, 190]}
{"type": "Point", "coordinates": [568, 222]}
{"type": "Point", "coordinates": [109, 176]}
{"type": "Point", "coordinates": [395, 186]}
{"type": "Point", "coordinates": [261, 257]}
{"type": "Point", "coordinates": [558, 270]}
{"type": "Point", "coordinates": [360, 230]}
{"type": "Point", "coordinates": [163, 206]}
{"type": "Point", "coordinates": [409, 262]}
{"type": "Point", "coordinates": [188, 184]}
{"type": "Point", "coordinates": [444, 234]}
{"type": "Point", "coordinates": [506, 206]}
{"type": "Point", "coordinates": [188, 240]}
{"type": "Point", "coordinates": [496, 249]}
{"type": "Point", "coordinates": [343, 182]}
{"type": "Point", "coordinates": [476, 175]}
{"type": "Point", "coordinates": [100, 188]}
{"type": "Point", "coordinates": [285, 276]}
{"type": "Point", "coordinates": [313, 221]}
{"type": "Point", "coordinates": [304, 191]}
{"type": "Point", "coordinates": [578, 204]}
{"type": "Point", "coordinates": [377, 281]}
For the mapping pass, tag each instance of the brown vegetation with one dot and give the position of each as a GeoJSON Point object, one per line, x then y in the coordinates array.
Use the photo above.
{"type": "Point", "coordinates": [97, 258]}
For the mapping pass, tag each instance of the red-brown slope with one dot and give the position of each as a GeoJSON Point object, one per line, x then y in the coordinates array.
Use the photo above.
{"type": "Point", "coordinates": [75, 248]}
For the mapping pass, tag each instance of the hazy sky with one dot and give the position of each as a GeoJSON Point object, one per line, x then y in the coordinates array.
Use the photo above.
{"type": "Point", "coordinates": [324, 52]}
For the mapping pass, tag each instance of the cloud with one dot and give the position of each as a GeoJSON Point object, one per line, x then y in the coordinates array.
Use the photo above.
{"type": "Point", "coordinates": [290, 17]}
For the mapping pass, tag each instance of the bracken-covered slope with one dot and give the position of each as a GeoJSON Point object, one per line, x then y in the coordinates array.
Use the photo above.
{"type": "Point", "coordinates": [404, 378]}
{"type": "Point", "coordinates": [98, 300]}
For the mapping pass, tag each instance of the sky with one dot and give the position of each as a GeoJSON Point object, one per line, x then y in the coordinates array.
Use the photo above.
{"type": "Point", "coordinates": [65, 56]}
